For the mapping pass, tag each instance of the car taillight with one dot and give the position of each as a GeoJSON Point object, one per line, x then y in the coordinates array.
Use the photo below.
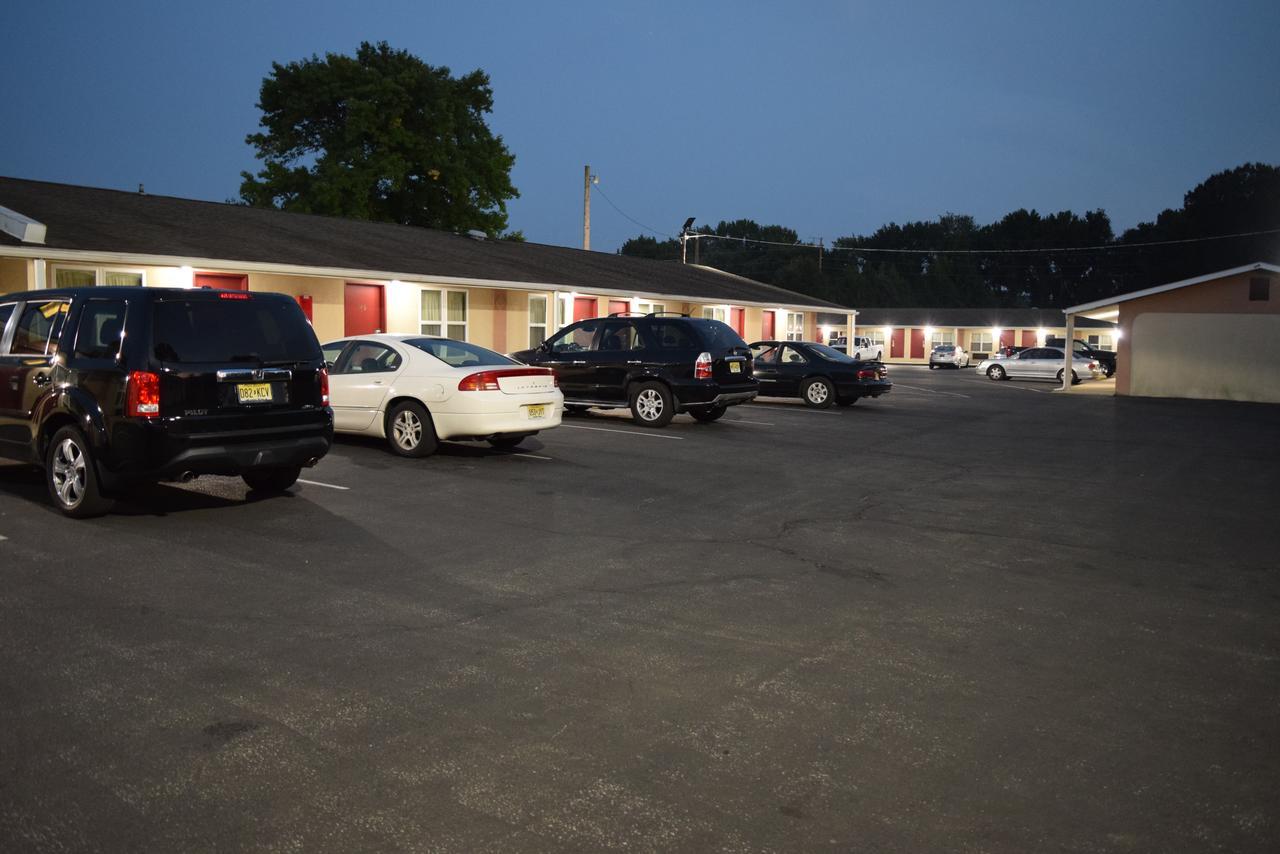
{"type": "Point", "coordinates": [868, 374]}
{"type": "Point", "coordinates": [324, 387]}
{"type": "Point", "coordinates": [142, 395]}
{"type": "Point", "coordinates": [1093, 366]}
{"type": "Point", "coordinates": [488, 380]}
{"type": "Point", "coordinates": [234, 295]}
{"type": "Point", "coordinates": [702, 367]}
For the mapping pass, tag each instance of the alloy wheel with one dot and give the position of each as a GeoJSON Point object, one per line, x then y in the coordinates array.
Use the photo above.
{"type": "Point", "coordinates": [69, 472]}
{"type": "Point", "coordinates": [407, 429]}
{"type": "Point", "coordinates": [649, 404]}
{"type": "Point", "coordinates": [817, 392]}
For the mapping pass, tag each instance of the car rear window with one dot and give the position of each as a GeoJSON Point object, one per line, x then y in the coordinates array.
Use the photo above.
{"type": "Point", "coordinates": [459, 354]}
{"type": "Point", "coordinates": [831, 355]}
{"type": "Point", "coordinates": [718, 335]}
{"type": "Point", "coordinates": [232, 330]}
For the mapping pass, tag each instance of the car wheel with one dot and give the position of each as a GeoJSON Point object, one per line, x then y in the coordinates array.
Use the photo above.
{"type": "Point", "coordinates": [818, 393]}
{"type": "Point", "coordinates": [71, 476]}
{"type": "Point", "coordinates": [575, 409]}
{"type": "Point", "coordinates": [932, 366]}
{"type": "Point", "coordinates": [651, 405]}
{"type": "Point", "coordinates": [507, 442]}
{"type": "Point", "coordinates": [1109, 370]}
{"type": "Point", "coordinates": [410, 432]}
{"type": "Point", "coordinates": [274, 479]}
{"type": "Point", "coordinates": [706, 416]}
{"type": "Point", "coordinates": [996, 372]}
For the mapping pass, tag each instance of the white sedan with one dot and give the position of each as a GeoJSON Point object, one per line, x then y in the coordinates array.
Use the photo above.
{"type": "Point", "coordinates": [414, 390]}
{"type": "Point", "coordinates": [1041, 363]}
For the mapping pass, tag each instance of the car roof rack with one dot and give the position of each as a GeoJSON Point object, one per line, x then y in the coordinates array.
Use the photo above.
{"type": "Point", "coordinates": [666, 313]}
{"type": "Point", "coordinates": [625, 314]}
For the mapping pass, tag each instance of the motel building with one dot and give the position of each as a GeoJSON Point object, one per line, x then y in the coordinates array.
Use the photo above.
{"type": "Point", "coordinates": [908, 335]}
{"type": "Point", "coordinates": [356, 278]}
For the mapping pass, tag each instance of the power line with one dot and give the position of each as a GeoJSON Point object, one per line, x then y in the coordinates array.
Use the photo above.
{"type": "Point", "coordinates": [1099, 248]}
{"type": "Point", "coordinates": [601, 191]}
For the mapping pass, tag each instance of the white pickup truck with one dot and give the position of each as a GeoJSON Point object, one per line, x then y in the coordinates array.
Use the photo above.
{"type": "Point", "coordinates": [862, 348]}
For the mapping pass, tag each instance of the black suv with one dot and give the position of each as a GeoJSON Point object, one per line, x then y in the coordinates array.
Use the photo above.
{"type": "Point", "coordinates": [108, 386]}
{"type": "Point", "coordinates": [656, 364]}
{"type": "Point", "coordinates": [1106, 358]}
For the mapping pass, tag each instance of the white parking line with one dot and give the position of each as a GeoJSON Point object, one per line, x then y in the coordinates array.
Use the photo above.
{"type": "Point", "coordinates": [3, 538]}
{"type": "Point", "coordinates": [929, 390]}
{"type": "Point", "coordinates": [531, 456]}
{"type": "Point", "coordinates": [325, 485]}
{"type": "Point", "coordinates": [757, 423]}
{"type": "Point", "coordinates": [623, 432]}
{"type": "Point", "coordinates": [793, 409]}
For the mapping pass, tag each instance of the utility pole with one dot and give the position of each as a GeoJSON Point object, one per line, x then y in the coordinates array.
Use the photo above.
{"type": "Point", "coordinates": [586, 207]}
{"type": "Point", "coordinates": [819, 255]}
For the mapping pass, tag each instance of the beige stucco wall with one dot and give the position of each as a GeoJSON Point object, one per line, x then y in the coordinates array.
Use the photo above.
{"type": "Point", "coordinates": [326, 299]}
{"type": "Point", "coordinates": [1229, 297]}
{"type": "Point", "coordinates": [15, 274]}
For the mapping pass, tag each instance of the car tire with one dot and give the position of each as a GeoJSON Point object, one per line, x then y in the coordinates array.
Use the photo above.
{"type": "Point", "coordinates": [1075, 380]}
{"type": "Point", "coordinates": [818, 393]}
{"type": "Point", "coordinates": [274, 479]}
{"type": "Point", "coordinates": [652, 405]}
{"type": "Point", "coordinates": [706, 416]}
{"type": "Point", "coordinates": [71, 477]}
{"type": "Point", "coordinates": [932, 366]}
{"type": "Point", "coordinates": [506, 443]}
{"type": "Point", "coordinates": [410, 431]}
{"type": "Point", "coordinates": [575, 409]}
{"type": "Point", "coordinates": [997, 373]}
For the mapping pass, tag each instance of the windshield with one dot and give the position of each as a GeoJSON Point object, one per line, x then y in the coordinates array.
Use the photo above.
{"type": "Point", "coordinates": [257, 331]}
{"type": "Point", "coordinates": [830, 355]}
{"type": "Point", "coordinates": [459, 354]}
{"type": "Point", "coordinates": [944, 348]}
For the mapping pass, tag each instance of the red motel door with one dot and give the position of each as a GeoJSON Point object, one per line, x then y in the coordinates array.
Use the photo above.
{"type": "Point", "coordinates": [584, 308]}
{"type": "Point", "coordinates": [1029, 338]}
{"type": "Point", "coordinates": [363, 309]}
{"type": "Point", "coordinates": [225, 281]}
{"type": "Point", "coordinates": [917, 343]}
{"type": "Point", "coordinates": [1006, 338]}
{"type": "Point", "coordinates": [767, 320]}
{"type": "Point", "coordinates": [738, 320]}
{"type": "Point", "coordinates": [896, 343]}
{"type": "Point", "coordinates": [619, 306]}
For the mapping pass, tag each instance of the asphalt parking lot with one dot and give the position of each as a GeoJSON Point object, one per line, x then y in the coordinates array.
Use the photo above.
{"type": "Point", "coordinates": [964, 617]}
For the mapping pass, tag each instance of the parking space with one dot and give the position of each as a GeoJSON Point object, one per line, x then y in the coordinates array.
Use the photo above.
{"type": "Point", "coordinates": [964, 616]}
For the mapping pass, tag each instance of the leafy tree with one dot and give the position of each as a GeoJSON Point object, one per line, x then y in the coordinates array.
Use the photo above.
{"type": "Point", "coordinates": [380, 136]}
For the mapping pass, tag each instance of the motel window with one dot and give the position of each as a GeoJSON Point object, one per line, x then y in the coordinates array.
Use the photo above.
{"type": "Point", "coordinates": [980, 342]}
{"type": "Point", "coordinates": [79, 277]}
{"type": "Point", "coordinates": [1260, 289]}
{"type": "Point", "coordinates": [875, 337]}
{"type": "Point", "coordinates": [1102, 341]}
{"type": "Point", "coordinates": [716, 312]}
{"type": "Point", "coordinates": [794, 325]}
{"type": "Point", "coordinates": [649, 307]}
{"type": "Point", "coordinates": [537, 319]}
{"type": "Point", "coordinates": [444, 313]}
{"type": "Point", "coordinates": [941, 337]}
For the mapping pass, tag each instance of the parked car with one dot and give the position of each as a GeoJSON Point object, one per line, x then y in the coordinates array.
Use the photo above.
{"type": "Point", "coordinates": [414, 390]}
{"type": "Point", "coordinates": [1041, 363]}
{"type": "Point", "coordinates": [657, 365]}
{"type": "Point", "coordinates": [1007, 351]}
{"type": "Point", "coordinates": [1106, 358]}
{"type": "Point", "coordinates": [817, 374]}
{"type": "Point", "coordinates": [948, 355]}
{"type": "Point", "coordinates": [108, 386]}
{"type": "Point", "coordinates": [863, 348]}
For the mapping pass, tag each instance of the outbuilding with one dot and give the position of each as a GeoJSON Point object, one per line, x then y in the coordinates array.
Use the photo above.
{"type": "Point", "coordinates": [1215, 336]}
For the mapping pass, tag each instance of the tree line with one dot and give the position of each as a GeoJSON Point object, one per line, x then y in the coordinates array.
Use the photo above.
{"type": "Point", "coordinates": [978, 267]}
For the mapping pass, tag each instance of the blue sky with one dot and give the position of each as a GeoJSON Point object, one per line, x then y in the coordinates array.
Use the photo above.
{"type": "Point", "coordinates": [832, 118]}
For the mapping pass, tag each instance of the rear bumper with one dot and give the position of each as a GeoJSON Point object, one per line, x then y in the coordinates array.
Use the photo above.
{"type": "Point", "coordinates": [496, 414]}
{"type": "Point", "coordinates": [873, 388]}
{"type": "Point", "coordinates": [701, 395]}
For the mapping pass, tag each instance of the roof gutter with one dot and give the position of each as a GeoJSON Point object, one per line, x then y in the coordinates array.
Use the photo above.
{"type": "Point", "coordinates": [22, 227]}
{"type": "Point", "coordinates": [125, 258]}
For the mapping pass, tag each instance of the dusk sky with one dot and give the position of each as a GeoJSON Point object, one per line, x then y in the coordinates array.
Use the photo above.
{"type": "Point", "coordinates": [832, 118]}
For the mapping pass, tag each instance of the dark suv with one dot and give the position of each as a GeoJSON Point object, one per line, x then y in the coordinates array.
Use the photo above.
{"type": "Point", "coordinates": [656, 364]}
{"type": "Point", "coordinates": [108, 386]}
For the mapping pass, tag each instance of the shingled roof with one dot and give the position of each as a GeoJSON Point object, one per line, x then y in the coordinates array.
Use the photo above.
{"type": "Point", "coordinates": [1002, 318]}
{"type": "Point", "coordinates": [98, 220]}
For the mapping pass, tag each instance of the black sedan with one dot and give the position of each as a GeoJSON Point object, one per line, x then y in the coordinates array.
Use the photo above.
{"type": "Point", "coordinates": [815, 373]}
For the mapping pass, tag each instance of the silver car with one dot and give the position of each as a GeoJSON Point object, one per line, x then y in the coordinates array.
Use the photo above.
{"type": "Point", "coordinates": [1041, 363]}
{"type": "Point", "coordinates": [948, 356]}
